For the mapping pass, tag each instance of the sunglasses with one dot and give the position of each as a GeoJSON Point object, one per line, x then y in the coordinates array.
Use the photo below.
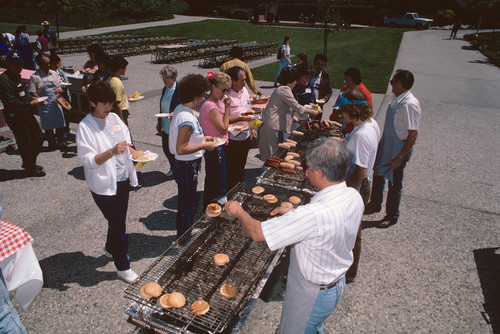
{"type": "Point", "coordinates": [224, 90]}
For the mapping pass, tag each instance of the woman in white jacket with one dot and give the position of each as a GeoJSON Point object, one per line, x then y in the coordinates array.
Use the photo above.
{"type": "Point", "coordinates": [104, 147]}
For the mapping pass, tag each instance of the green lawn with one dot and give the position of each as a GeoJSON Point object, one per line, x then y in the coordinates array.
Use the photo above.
{"type": "Point", "coordinates": [373, 50]}
{"type": "Point", "coordinates": [30, 28]}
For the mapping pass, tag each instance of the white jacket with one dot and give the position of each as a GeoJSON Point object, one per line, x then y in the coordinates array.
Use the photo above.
{"type": "Point", "coordinates": [90, 141]}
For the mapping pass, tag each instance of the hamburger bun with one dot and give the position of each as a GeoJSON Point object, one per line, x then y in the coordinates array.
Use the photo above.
{"type": "Point", "coordinates": [228, 290]}
{"type": "Point", "coordinates": [221, 259]}
{"type": "Point", "coordinates": [299, 168]}
{"type": "Point", "coordinates": [164, 301]}
{"type": "Point", "coordinates": [213, 210]}
{"type": "Point", "coordinates": [150, 289]}
{"type": "Point", "coordinates": [295, 162]}
{"type": "Point", "coordinates": [258, 190]}
{"type": "Point", "coordinates": [270, 198]}
{"type": "Point", "coordinates": [297, 133]}
{"type": "Point", "coordinates": [284, 145]}
{"type": "Point", "coordinates": [287, 205]}
{"type": "Point", "coordinates": [295, 200]}
{"type": "Point", "coordinates": [137, 154]}
{"type": "Point", "coordinates": [200, 307]}
{"type": "Point", "coordinates": [294, 154]}
{"type": "Point", "coordinates": [289, 157]}
{"type": "Point", "coordinates": [176, 299]}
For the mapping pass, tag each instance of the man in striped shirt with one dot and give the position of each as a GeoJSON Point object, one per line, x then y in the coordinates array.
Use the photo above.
{"type": "Point", "coordinates": [322, 235]}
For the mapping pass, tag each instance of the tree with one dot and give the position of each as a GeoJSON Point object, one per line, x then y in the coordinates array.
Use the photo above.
{"type": "Point", "coordinates": [330, 18]}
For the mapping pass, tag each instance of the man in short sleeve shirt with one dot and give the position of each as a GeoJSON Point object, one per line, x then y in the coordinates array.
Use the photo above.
{"type": "Point", "coordinates": [395, 148]}
{"type": "Point", "coordinates": [322, 235]}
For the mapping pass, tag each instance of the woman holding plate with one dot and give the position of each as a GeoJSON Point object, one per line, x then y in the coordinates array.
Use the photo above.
{"type": "Point", "coordinates": [188, 143]}
{"type": "Point", "coordinates": [104, 147]}
{"type": "Point", "coordinates": [214, 120]}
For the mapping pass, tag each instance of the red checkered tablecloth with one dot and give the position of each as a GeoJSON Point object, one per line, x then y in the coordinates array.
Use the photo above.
{"type": "Point", "coordinates": [12, 238]}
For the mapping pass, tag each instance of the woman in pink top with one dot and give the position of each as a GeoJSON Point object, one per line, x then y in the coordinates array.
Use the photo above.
{"type": "Point", "coordinates": [214, 121]}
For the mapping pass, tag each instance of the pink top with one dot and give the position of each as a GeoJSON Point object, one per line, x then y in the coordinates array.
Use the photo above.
{"type": "Point", "coordinates": [207, 126]}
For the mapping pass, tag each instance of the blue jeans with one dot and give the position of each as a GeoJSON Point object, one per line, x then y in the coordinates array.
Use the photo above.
{"type": "Point", "coordinates": [114, 208]}
{"type": "Point", "coordinates": [9, 319]}
{"type": "Point", "coordinates": [215, 176]}
{"type": "Point", "coordinates": [326, 302]}
{"type": "Point", "coordinates": [186, 177]}
{"type": "Point", "coordinates": [394, 193]}
{"type": "Point", "coordinates": [166, 150]}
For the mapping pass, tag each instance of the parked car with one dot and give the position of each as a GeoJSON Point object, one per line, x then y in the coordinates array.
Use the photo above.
{"type": "Point", "coordinates": [409, 20]}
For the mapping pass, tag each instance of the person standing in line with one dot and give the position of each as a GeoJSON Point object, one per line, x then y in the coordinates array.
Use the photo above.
{"type": "Point", "coordinates": [320, 80]}
{"type": "Point", "coordinates": [18, 111]}
{"type": "Point", "coordinates": [104, 148]}
{"type": "Point", "coordinates": [214, 121]}
{"type": "Point", "coordinates": [55, 65]}
{"type": "Point", "coordinates": [321, 235]}
{"type": "Point", "coordinates": [46, 83]}
{"type": "Point", "coordinates": [188, 143]}
{"type": "Point", "coordinates": [51, 36]}
{"type": "Point", "coordinates": [395, 148]}
{"type": "Point", "coordinates": [22, 44]}
{"type": "Point", "coordinates": [236, 53]}
{"type": "Point", "coordinates": [285, 58]}
{"type": "Point", "coordinates": [168, 101]}
{"type": "Point", "coordinates": [362, 145]}
{"type": "Point", "coordinates": [42, 44]}
{"type": "Point", "coordinates": [118, 67]}
{"type": "Point", "coordinates": [236, 150]}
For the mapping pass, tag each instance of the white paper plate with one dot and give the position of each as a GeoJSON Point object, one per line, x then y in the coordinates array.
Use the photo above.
{"type": "Point", "coordinates": [66, 83]}
{"type": "Point", "coordinates": [154, 156]}
{"type": "Point", "coordinates": [320, 101]}
{"type": "Point", "coordinates": [163, 115]}
{"type": "Point", "coordinates": [131, 99]}
{"type": "Point", "coordinates": [41, 99]}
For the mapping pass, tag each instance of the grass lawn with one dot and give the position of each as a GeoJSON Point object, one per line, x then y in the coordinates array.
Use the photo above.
{"type": "Point", "coordinates": [488, 43]}
{"type": "Point", "coordinates": [30, 28]}
{"type": "Point", "coordinates": [372, 50]}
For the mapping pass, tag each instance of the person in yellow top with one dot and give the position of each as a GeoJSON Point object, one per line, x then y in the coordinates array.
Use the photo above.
{"type": "Point", "coordinates": [118, 67]}
{"type": "Point", "coordinates": [236, 53]}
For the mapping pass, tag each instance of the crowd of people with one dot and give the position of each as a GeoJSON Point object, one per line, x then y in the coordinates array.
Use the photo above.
{"type": "Point", "coordinates": [325, 235]}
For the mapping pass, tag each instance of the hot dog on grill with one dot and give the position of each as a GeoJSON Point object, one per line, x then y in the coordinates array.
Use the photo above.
{"type": "Point", "coordinates": [287, 170]}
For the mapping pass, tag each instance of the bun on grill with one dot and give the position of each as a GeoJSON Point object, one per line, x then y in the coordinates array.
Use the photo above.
{"type": "Point", "coordinates": [295, 200]}
{"type": "Point", "coordinates": [258, 190]}
{"type": "Point", "coordinates": [213, 210]}
{"type": "Point", "coordinates": [176, 299]}
{"type": "Point", "coordinates": [200, 307]}
{"type": "Point", "coordinates": [150, 289]}
{"type": "Point", "coordinates": [287, 205]}
{"type": "Point", "coordinates": [164, 301]}
{"type": "Point", "coordinates": [221, 259]}
{"type": "Point", "coordinates": [270, 198]}
{"type": "Point", "coordinates": [228, 290]}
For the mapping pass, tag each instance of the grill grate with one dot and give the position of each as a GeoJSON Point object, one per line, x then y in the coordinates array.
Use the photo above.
{"type": "Point", "coordinates": [187, 267]}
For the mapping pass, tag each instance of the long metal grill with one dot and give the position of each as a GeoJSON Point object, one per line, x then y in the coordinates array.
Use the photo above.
{"type": "Point", "coordinates": [188, 267]}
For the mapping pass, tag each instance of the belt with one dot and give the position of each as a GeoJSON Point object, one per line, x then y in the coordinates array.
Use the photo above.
{"type": "Point", "coordinates": [329, 286]}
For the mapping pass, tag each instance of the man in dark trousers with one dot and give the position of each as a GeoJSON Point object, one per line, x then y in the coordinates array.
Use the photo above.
{"type": "Point", "coordinates": [18, 112]}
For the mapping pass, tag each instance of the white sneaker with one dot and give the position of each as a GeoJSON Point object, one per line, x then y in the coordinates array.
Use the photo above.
{"type": "Point", "coordinates": [170, 173]}
{"type": "Point", "coordinates": [128, 276]}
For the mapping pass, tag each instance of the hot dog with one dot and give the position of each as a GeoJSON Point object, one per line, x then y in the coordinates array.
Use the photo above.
{"type": "Point", "coordinates": [287, 170]}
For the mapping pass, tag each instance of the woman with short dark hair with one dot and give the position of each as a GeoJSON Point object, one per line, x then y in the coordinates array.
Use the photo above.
{"type": "Point", "coordinates": [104, 147]}
{"type": "Point", "coordinates": [277, 117]}
{"type": "Point", "coordinates": [187, 143]}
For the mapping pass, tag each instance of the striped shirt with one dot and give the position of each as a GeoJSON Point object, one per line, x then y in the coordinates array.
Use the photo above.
{"type": "Point", "coordinates": [322, 233]}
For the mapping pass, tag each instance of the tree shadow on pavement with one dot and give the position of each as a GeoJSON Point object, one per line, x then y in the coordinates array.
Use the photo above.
{"type": "Point", "coordinates": [488, 269]}
{"type": "Point", "coordinates": [151, 179]}
{"type": "Point", "coordinates": [469, 47]}
{"type": "Point", "coordinates": [12, 174]}
{"type": "Point", "coordinates": [142, 246]}
{"type": "Point", "coordinates": [77, 173]}
{"type": "Point", "coordinates": [161, 220]}
{"type": "Point", "coordinates": [60, 270]}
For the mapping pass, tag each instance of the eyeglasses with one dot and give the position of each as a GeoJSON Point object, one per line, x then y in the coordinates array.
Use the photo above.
{"type": "Point", "coordinates": [223, 89]}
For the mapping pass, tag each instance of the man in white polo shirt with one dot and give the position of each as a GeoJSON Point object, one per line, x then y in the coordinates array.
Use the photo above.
{"type": "Point", "coordinates": [322, 235]}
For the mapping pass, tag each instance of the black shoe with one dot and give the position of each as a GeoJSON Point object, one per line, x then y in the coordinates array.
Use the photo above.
{"type": "Point", "coordinates": [371, 209]}
{"type": "Point", "coordinates": [137, 187]}
{"type": "Point", "coordinates": [387, 222]}
{"type": "Point", "coordinates": [52, 147]}
{"type": "Point", "coordinates": [35, 173]}
{"type": "Point", "coordinates": [38, 167]}
{"type": "Point", "coordinates": [349, 280]}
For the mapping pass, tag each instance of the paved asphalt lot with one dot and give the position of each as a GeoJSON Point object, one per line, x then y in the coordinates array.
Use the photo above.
{"type": "Point", "coordinates": [437, 270]}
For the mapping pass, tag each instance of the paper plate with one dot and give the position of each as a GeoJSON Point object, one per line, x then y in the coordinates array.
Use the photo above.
{"type": "Point", "coordinates": [131, 99]}
{"type": "Point", "coordinates": [66, 83]}
{"type": "Point", "coordinates": [151, 157]}
{"type": "Point", "coordinates": [41, 99]}
{"type": "Point", "coordinates": [163, 115]}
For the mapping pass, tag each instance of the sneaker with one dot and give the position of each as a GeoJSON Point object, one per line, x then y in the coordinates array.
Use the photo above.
{"type": "Point", "coordinates": [128, 276]}
{"type": "Point", "coordinates": [170, 173]}
{"type": "Point", "coordinates": [35, 173]}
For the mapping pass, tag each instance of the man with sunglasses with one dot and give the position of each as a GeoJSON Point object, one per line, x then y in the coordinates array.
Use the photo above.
{"type": "Point", "coordinates": [395, 148]}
